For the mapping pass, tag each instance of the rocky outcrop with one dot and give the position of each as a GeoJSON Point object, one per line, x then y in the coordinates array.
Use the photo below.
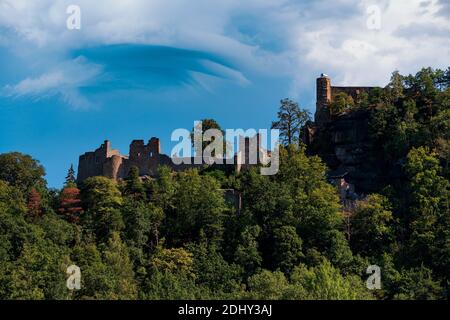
{"type": "Point", "coordinates": [341, 140]}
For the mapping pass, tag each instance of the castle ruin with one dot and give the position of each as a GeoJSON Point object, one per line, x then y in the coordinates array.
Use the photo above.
{"type": "Point", "coordinates": [340, 139]}
{"type": "Point", "coordinates": [325, 93]}
{"type": "Point", "coordinates": [110, 163]}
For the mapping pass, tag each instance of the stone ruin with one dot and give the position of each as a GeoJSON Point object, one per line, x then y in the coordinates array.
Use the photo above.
{"type": "Point", "coordinates": [110, 163]}
{"type": "Point", "coordinates": [325, 94]}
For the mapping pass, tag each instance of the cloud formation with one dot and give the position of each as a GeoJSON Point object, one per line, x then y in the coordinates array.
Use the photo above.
{"type": "Point", "coordinates": [157, 43]}
{"type": "Point", "coordinates": [411, 36]}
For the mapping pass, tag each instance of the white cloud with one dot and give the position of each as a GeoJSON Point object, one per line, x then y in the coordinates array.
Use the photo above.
{"type": "Point", "coordinates": [38, 85]}
{"type": "Point", "coordinates": [316, 36]}
{"type": "Point", "coordinates": [63, 80]}
{"type": "Point", "coordinates": [344, 47]}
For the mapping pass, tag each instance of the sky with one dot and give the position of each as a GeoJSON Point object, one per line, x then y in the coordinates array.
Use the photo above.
{"type": "Point", "coordinates": [142, 68]}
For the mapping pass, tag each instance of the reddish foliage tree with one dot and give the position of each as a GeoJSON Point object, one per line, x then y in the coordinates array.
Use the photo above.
{"type": "Point", "coordinates": [70, 204]}
{"type": "Point", "coordinates": [34, 203]}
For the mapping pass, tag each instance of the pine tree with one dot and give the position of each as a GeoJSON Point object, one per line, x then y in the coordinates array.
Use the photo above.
{"type": "Point", "coordinates": [291, 119]}
{"type": "Point", "coordinates": [70, 178]}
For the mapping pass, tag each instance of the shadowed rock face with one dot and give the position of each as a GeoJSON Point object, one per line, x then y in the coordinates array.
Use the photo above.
{"type": "Point", "coordinates": [343, 143]}
{"type": "Point", "coordinates": [349, 134]}
{"type": "Point", "coordinates": [341, 140]}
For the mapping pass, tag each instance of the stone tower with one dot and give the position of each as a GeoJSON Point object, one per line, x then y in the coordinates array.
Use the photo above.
{"type": "Point", "coordinates": [323, 89]}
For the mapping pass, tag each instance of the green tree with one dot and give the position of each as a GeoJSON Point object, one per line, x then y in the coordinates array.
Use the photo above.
{"type": "Point", "coordinates": [119, 271]}
{"type": "Point", "coordinates": [142, 228]}
{"type": "Point", "coordinates": [71, 181]}
{"type": "Point", "coordinates": [163, 189]}
{"type": "Point", "coordinates": [40, 272]}
{"type": "Point", "coordinates": [419, 284]}
{"type": "Point", "coordinates": [270, 204]}
{"type": "Point", "coordinates": [341, 102]}
{"type": "Point", "coordinates": [396, 86]}
{"type": "Point", "coordinates": [372, 229]}
{"type": "Point", "coordinates": [133, 184]}
{"type": "Point", "coordinates": [100, 192]}
{"type": "Point", "coordinates": [94, 277]}
{"type": "Point", "coordinates": [429, 219]}
{"type": "Point", "coordinates": [213, 272]}
{"type": "Point", "coordinates": [291, 119]}
{"type": "Point", "coordinates": [267, 285]}
{"type": "Point", "coordinates": [315, 205]}
{"type": "Point", "coordinates": [172, 276]}
{"type": "Point", "coordinates": [173, 286]}
{"type": "Point", "coordinates": [198, 206]}
{"type": "Point", "coordinates": [287, 248]}
{"type": "Point", "coordinates": [102, 201]}
{"type": "Point", "coordinates": [21, 171]}
{"type": "Point", "coordinates": [197, 132]}
{"type": "Point", "coordinates": [325, 282]}
{"type": "Point", "coordinates": [247, 254]}
{"type": "Point", "coordinates": [173, 260]}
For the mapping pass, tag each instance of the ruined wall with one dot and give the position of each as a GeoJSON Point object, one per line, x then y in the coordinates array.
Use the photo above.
{"type": "Point", "coordinates": [350, 138]}
{"type": "Point", "coordinates": [144, 156]}
{"type": "Point", "coordinates": [108, 162]}
{"type": "Point", "coordinates": [147, 158]}
{"type": "Point", "coordinates": [91, 163]}
{"type": "Point", "coordinates": [325, 94]}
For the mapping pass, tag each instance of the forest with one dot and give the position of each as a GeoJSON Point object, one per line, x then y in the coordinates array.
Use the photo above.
{"type": "Point", "coordinates": [177, 237]}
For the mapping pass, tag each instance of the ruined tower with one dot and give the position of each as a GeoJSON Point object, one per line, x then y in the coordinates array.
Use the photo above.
{"type": "Point", "coordinates": [323, 100]}
{"type": "Point", "coordinates": [144, 156]}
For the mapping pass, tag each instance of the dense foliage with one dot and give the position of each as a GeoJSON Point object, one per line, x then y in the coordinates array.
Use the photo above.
{"type": "Point", "coordinates": [177, 237]}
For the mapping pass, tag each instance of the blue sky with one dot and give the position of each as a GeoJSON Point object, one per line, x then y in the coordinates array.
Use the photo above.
{"type": "Point", "coordinates": [138, 69]}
